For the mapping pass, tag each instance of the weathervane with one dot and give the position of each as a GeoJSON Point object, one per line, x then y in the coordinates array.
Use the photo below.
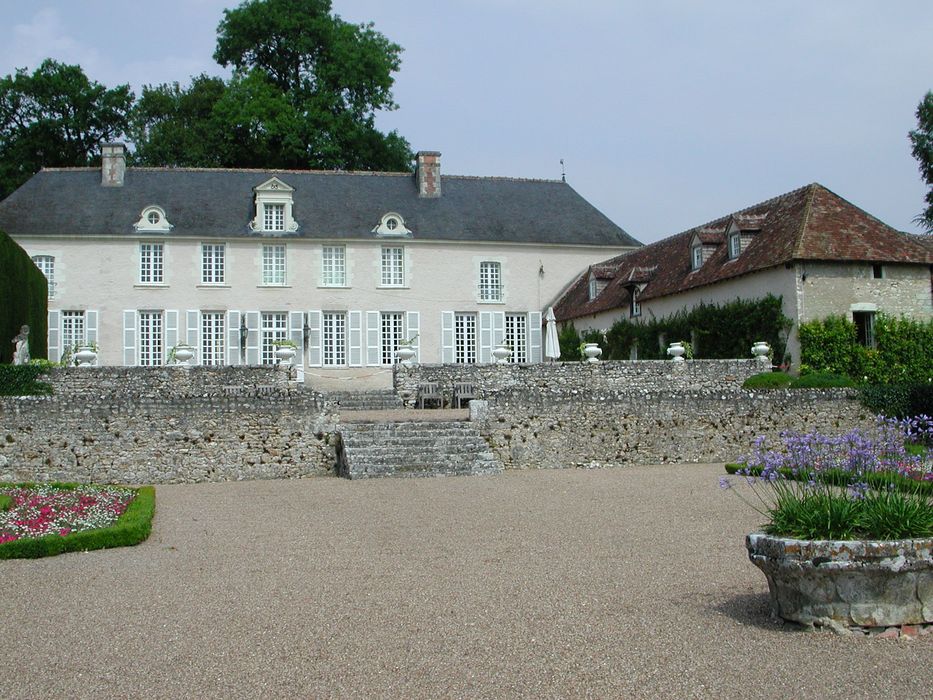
{"type": "Point", "coordinates": [563, 175]}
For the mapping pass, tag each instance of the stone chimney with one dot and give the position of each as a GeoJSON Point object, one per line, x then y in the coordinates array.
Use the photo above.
{"type": "Point", "coordinates": [428, 174]}
{"type": "Point", "coordinates": [112, 164]}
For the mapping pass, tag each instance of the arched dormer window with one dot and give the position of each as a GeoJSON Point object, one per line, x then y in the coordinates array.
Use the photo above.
{"type": "Point", "coordinates": [391, 224]}
{"type": "Point", "coordinates": [152, 220]}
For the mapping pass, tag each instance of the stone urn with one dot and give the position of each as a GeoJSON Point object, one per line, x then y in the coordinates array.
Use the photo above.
{"type": "Point", "coordinates": [676, 351]}
{"type": "Point", "coordinates": [863, 583]}
{"type": "Point", "coordinates": [760, 350]}
{"type": "Point", "coordinates": [592, 352]}
{"type": "Point", "coordinates": [405, 354]}
{"type": "Point", "coordinates": [183, 353]}
{"type": "Point", "coordinates": [502, 353]}
{"type": "Point", "coordinates": [285, 354]}
{"type": "Point", "coordinates": [85, 356]}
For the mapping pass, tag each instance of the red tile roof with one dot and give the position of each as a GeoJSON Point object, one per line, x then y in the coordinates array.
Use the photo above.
{"type": "Point", "coordinates": [810, 223]}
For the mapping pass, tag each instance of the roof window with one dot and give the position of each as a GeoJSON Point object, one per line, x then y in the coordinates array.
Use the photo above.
{"type": "Point", "coordinates": [391, 224]}
{"type": "Point", "coordinates": [152, 220]}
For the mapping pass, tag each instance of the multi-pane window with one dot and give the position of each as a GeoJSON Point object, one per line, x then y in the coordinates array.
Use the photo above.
{"type": "Point", "coordinates": [465, 338]}
{"type": "Point", "coordinates": [516, 335]}
{"type": "Point", "coordinates": [212, 338]}
{"type": "Point", "coordinates": [335, 339]}
{"type": "Point", "coordinates": [273, 264]}
{"type": "Point", "coordinates": [212, 263]}
{"type": "Point", "coordinates": [697, 253]}
{"type": "Point", "coordinates": [273, 217]}
{"type": "Point", "coordinates": [490, 281]}
{"type": "Point", "coordinates": [634, 304]}
{"type": "Point", "coordinates": [864, 327]}
{"type": "Point", "coordinates": [46, 264]}
{"type": "Point", "coordinates": [274, 327]}
{"type": "Point", "coordinates": [594, 288]}
{"type": "Point", "coordinates": [391, 335]}
{"type": "Point", "coordinates": [393, 266]}
{"type": "Point", "coordinates": [333, 266]}
{"type": "Point", "coordinates": [151, 263]}
{"type": "Point", "coordinates": [735, 245]}
{"type": "Point", "coordinates": [73, 329]}
{"type": "Point", "coordinates": [150, 338]}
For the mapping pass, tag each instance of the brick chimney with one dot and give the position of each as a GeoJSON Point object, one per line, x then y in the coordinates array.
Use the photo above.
{"type": "Point", "coordinates": [428, 173]}
{"type": "Point", "coordinates": [112, 164]}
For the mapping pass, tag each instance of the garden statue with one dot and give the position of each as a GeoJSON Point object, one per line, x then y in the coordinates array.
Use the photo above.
{"type": "Point", "coordinates": [21, 349]}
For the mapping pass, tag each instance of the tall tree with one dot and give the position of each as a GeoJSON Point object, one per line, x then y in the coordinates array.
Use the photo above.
{"type": "Point", "coordinates": [335, 76]}
{"type": "Point", "coordinates": [922, 141]}
{"type": "Point", "coordinates": [55, 117]}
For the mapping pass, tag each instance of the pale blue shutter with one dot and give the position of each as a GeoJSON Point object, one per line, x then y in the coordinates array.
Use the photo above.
{"type": "Point", "coordinates": [171, 330]}
{"type": "Point", "coordinates": [54, 353]}
{"type": "Point", "coordinates": [129, 338]}
{"type": "Point", "coordinates": [447, 337]}
{"type": "Point", "coordinates": [355, 335]}
{"type": "Point", "coordinates": [498, 328]}
{"type": "Point", "coordinates": [252, 338]}
{"type": "Point", "coordinates": [315, 356]}
{"type": "Point", "coordinates": [373, 333]}
{"type": "Point", "coordinates": [233, 337]}
{"type": "Point", "coordinates": [413, 330]}
{"type": "Point", "coordinates": [91, 324]}
{"type": "Point", "coordinates": [193, 334]}
{"type": "Point", "coordinates": [485, 337]}
{"type": "Point", "coordinates": [296, 321]}
{"type": "Point", "coordinates": [534, 336]}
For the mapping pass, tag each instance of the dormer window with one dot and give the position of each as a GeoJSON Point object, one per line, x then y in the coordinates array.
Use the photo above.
{"type": "Point", "coordinates": [634, 304]}
{"type": "Point", "coordinates": [697, 256]}
{"type": "Point", "coordinates": [274, 202]}
{"type": "Point", "coordinates": [152, 219]}
{"type": "Point", "coordinates": [391, 224]}
{"type": "Point", "coordinates": [735, 245]}
{"type": "Point", "coordinates": [594, 288]}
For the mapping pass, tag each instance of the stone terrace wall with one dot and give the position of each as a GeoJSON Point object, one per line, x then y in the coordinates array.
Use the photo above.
{"type": "Point", "coordinates": [165, 425]}
{"type": "Point", "coordinates": [586, 378]}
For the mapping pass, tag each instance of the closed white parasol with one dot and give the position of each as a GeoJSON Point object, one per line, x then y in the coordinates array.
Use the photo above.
{"type": "Point", "coordinates": [551, 346]}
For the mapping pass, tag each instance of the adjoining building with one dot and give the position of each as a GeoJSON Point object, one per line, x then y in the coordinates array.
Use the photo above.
{"type": "Point", "coordinates": [345, 265]}
{"type": "Point", "coordinates": [820, 253]}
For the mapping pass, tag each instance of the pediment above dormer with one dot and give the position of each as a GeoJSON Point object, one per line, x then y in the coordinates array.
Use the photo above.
{"type": "Point", "coordinates": [274, 184]}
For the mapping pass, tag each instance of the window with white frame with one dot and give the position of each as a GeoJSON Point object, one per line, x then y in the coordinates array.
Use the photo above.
{"type": "Point", "coordinates": [634, 308]}
{"type": "Point", "coordinates": [273, 217]}
{"type": "Point", "coordinates": [274, 326]}
{"type": "Point", "coordinates": [212, 338]}
{"type": "Point", "coordinates": [393, 266]}
{"type": "Point", "coordinates": [334, 339]}
{"type": "Point", "coordinates": [392, 331]}
{"type": "Point", "coordinates": [333, 266]}
{"type": "Point", "coordinates": [594, 288]}
{"type": "Point", "coordinates": [516, 335]}
{"type": "Point", "coordinates": [46, 265]}
{"type": "Point", "coordinates": [212, 263]}
{"type": "Point", "coordinates": [735, 245]}
{"type": "Point", "coordinates": [73, 330]}
{"type": "Point", "coordinates": [697, 261]}
{"type": "Point", "coordinates": [490, 281]}
{"type": "Point", "coordinates": [465, 339]}
{"type": "Point", "coordinates": [151, 263]}
{"type": "Point", "coordinates": [151, 344]}
{"type": "Point", "coordinates": [273, 265]}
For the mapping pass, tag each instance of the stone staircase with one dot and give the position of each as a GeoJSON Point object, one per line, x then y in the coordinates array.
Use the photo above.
{"type": "Point", "coordinates": [413, 448]}
{"type": "Point", "coordinates": [370, 400]}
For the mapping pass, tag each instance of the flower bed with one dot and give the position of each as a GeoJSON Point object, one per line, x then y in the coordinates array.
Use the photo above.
{"type": "Point", "coordinates": [44, 519]}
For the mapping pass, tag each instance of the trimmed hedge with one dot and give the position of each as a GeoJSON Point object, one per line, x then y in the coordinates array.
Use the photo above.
{"type": "Point", "coordinates": [25, 300]}
{"type": "Point", "coordinates": [130, 529]}
{"type": "Point", "coordinates": [821, 380]}
{"type": "Point", "coordinates": [768, 380]}
{"type": "Point", "coordinates": [898, 400]}
{"type": "Point", "coordinates": [22, 380]}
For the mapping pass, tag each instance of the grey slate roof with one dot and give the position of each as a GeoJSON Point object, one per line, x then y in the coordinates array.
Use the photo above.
{"type": "Point", "coordinates": [331, 205]}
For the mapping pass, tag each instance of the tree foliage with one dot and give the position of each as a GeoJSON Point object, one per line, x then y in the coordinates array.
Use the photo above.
{"type": "Point", "coordinates": [55, 117]}
{"type": "Point", "coordinates": [921, 140]}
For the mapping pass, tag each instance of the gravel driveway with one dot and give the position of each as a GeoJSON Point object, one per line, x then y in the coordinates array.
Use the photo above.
{"type": "Point", "coordinates": [629, 582]}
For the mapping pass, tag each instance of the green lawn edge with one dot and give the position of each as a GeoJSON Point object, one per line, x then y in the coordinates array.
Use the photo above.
{"type": "Point", "coordinates": [130, 529]}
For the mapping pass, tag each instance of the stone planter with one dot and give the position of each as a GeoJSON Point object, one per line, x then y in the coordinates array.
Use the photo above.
{"type": "Point", "coordinates": [592, 352]}
{"type": "Point", "coordinates": [85, 356]}
{"type": "Point", "coordinates": [183, 353]}
{"type": "Point", "coordinates": [760, 350]}
{"type": "Point", "coordinates": [676, 351]}
{"type": "Point", "coordinates": [849, 583]}
{"type": "Point", "coordinates": [502, 354]}
{"type": "Point", "coordinates": [285, 354]}
{"type": "Point", "coordinates": [405, 354]}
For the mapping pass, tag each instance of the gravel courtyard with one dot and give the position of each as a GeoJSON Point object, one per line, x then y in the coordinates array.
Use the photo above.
{"type": "Point", "coordinates": [629, 582]}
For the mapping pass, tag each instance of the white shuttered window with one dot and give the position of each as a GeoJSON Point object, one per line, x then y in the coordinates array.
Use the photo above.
{"type": "Point", "coordinates": [465, 339]}
{"type": "Point", "coordinates": [212, 338]}
{"type": "Point", "coordinates": [274, 327]}
{"type": "Point", "coordinates": [151, 263]}
{"type": "Point", "coordinates": [150, 338]}
{"type": "Point", "coordinates": [516, 335]}
{"type": "Point", "coordinates": [391, 335]}
{"type": "Point", "coordinates": [335, 339]}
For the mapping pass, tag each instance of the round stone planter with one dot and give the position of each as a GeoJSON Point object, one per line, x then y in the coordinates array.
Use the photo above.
{"type": "Point", "coordinates": [183, 353]}
{"type": "Point", "coordinates": [85, 356]}
{"type": "Point", "coordinates": [676, 351]}
{"type": "Point", "coordinates": [592, 352]}
{"type": "Point", "coordinates": [285, 354]}
{"type": "Point", "coordinates": [860, 583]}
{"type": "Point", "coordinates": [405, 354]}
{"type": "Point", "coordinates": [502, 354]}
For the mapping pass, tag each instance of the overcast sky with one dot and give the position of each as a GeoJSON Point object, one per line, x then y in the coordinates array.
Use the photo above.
{"type": "Point", "coordinates": [667, 114]}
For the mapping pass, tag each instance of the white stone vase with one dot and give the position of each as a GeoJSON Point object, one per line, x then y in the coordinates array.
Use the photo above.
{"type": "Point", "coordinates": [85, 356]}
{"type": "Point", "coordinates": [183, 353]}
{"type": "Point", "coordinates": [592, 352]}
{"type": "Point", "coordinates": [676, 351]}
{"type": "Point", "coordinates": [285, 354]}
{"type": "Point", "coordinates": [760, 350]}
{"type": "Point", "coordinates": [502, 354]}
{"type": "Point", "coordinates": [405, 354]}
{"type": "Point", "coordinates": [864, 583]}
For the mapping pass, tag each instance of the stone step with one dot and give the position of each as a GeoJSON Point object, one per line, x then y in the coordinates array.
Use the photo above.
{"type": "Point", "coordinates": [372, 400]}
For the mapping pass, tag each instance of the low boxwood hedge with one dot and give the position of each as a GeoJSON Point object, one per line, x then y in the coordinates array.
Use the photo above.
{"type": "Point", "coordinates": [768, 380]}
